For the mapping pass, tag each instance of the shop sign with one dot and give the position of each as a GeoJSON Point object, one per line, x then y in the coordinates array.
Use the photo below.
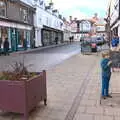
{"type": "Point", "coordinates": [14, 25]}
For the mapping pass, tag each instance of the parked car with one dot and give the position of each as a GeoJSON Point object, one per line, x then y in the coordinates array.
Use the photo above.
{"type": "Point", "coordinates": [99, 40]}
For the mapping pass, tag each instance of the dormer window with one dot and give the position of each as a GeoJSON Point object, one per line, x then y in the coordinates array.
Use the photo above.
{"type": "Point", "coordinates": [2, 9]}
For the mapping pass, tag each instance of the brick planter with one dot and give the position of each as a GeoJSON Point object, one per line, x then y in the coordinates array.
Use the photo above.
{"type": "Point", "coordinates": [23, 96]}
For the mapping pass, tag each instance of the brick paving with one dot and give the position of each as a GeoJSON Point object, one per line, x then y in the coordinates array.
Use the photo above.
{"type": "Point", "coordinates": [74, 85]}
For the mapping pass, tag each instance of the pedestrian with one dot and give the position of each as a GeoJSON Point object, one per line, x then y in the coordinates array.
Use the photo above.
{"type": "Point", "coordinates": [70, 38]}
{"type": "Point", "coordinates": [106, 74]}
{"type": "Point", "coordinates": [6, 47]}
{"type": "Point", "coordinates": [25, 44]}
{"type": "Point", "coordinates": [56, 40]}
{"type": "Point", "coordinates": [115, 42]}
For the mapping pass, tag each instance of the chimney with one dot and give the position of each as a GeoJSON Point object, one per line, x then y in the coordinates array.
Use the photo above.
{"type": "Point", "coordinates": [75, 19]}
{"type": "Point", "coordinates": [70, 18]}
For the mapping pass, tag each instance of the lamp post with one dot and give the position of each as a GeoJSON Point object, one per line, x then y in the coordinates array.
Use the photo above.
{"type": "Point", "coordinates": [108, 29]}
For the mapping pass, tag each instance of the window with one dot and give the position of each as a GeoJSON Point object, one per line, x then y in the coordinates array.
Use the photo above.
{"type": "Point", "coordinates": [2, 9]}
{"type": "Point", "coordinates": [24, 14]}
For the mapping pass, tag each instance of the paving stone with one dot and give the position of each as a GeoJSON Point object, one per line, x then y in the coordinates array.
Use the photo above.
{"type": "Point", "coordinates": [99, 117]}
{"type": "Point", "coordinates": [83, 117]}
{"type": "Point", "coordinates": [95, 110]}
{"type": "Point", "coordinates": [81, 109]}
{"type": "Point", "coordinates": [6, 118]}
{"type": "Point", "coordinates": [112, 111]}
{"type": "Point", "coordinates": [117, 118]}
{"type": "Point", "coordinates": [88, 102]}
{"type": "Point", "coordinates": [94, 96]}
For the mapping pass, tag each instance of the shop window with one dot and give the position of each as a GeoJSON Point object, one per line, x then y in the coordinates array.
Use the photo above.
{"type": "Point", "coordinates": [3, 34]}
{"type": "Point", "coordinates": [21, 38]}
{"type": "Point", "coordinates": [46, 37]}
{"type": "Point", "coordinates": [2, 8]}
{"type": "Point", "coordinates": [24, 14]}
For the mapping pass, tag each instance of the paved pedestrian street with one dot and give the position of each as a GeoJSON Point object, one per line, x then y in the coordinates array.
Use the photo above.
{"type": "Point", "coordinates": [74, 93]}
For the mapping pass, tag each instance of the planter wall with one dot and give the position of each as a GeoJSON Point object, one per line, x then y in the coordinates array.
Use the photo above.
{"type": "Point", "coordinates": [23, 96]}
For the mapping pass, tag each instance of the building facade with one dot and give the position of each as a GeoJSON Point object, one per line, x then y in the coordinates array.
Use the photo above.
{"type": "Point", "coordinates": [48, 23]}
{"type": "Point", "coordinates": [100, 27]}
{"type": "Point", "coordinates": [16, 24]}
{"type": "Point", "coordinates": [114, 17]}
{"type": "Point", "coordinates": [67, 30]}
{"type": "Point", "coordinates": [82, 28]}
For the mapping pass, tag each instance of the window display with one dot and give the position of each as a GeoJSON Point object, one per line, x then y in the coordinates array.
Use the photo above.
{"type": "Point", "coordinates": [3, 35]}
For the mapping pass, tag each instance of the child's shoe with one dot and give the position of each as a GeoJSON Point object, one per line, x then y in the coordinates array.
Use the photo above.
{"type": "Point", "coordinates": [109, 96]}
{"type": "Point", "coordinates": [103, 97]}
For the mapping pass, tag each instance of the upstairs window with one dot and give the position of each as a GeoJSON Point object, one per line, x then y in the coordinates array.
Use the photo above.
{"type": "Point", "coordinates": [2, 9]}
{"type": "Point", "coordinates": [24, 14]}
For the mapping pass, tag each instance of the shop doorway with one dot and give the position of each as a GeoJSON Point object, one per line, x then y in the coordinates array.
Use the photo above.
{"type": "Point", "coordinates": [13, 39]}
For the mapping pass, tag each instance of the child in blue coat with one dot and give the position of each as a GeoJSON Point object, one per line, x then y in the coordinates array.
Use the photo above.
{"type": "Point", "coordinates": [106, 74]}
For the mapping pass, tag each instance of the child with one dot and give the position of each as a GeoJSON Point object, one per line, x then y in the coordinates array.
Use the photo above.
{"type": "Point", "coordinates": [106, 74]}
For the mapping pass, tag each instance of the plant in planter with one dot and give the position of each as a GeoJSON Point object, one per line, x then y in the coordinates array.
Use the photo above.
{"type": "Point", "coordinates": [21, 91]}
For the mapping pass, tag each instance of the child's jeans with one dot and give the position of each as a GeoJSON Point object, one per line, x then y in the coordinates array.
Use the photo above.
{"type": "Point", "coordinates": [105, 85]}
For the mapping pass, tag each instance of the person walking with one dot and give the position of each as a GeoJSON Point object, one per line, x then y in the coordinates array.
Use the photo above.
{"type": "Point", "coordinates": [56, 40]}
{"type": "Point", "coordinates": [6, 47]}
{"type": "Point", "coordinates": [25, 44]}
{"type": "Point", "coordinates": [106, 74]}
{"type": "Point", "coordinates": [70, 39]}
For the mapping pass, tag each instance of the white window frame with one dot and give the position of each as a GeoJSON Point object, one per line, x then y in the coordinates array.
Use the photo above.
{"type": "Point", "coordinates": [3, 8]}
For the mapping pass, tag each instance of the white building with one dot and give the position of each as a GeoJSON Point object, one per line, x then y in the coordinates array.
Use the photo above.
{"type": "Point", "coordinates": [47, 22]}
{"type": "Point", "coordinates": [114, 12]}
{"type": "Point", "coordinates": [67, 31]}
{"type": "Point", "coordinates": [100, 27]}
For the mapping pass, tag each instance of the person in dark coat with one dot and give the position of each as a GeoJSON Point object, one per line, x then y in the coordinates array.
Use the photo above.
{"type": "Point", "coordinates": [25, 44]}
{"type": "Point", "coordinates": [6, 47]}
{"type": "Point", "coordinates": [70, 38]}
{"type": "Point", "coordinates": [56, 40]}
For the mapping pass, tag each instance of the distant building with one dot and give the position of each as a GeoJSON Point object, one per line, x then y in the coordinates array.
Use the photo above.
{"type": "Point", "coordinates": [81, 28]}
{"type": "Point", "coordinates": [100, 27]}
{"type": "Point", "coordinates": [67, 30]}
{"type": "Point", "coordinates": [114, 16]}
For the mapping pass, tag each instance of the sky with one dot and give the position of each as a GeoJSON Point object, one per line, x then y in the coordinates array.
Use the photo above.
{"type": "Point", "coordinates": [81, 8]}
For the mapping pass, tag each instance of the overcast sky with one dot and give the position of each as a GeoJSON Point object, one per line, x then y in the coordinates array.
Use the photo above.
{"type": "Point", "coordinates": [81, 8]}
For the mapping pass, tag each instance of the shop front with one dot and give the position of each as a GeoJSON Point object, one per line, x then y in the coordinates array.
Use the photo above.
{"type": "Point", "coordinates": [4, 33]}
{"type": "Point", "coordinates": [49, 35]}
{"type": "Point", "coordinates": [18, 35]}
